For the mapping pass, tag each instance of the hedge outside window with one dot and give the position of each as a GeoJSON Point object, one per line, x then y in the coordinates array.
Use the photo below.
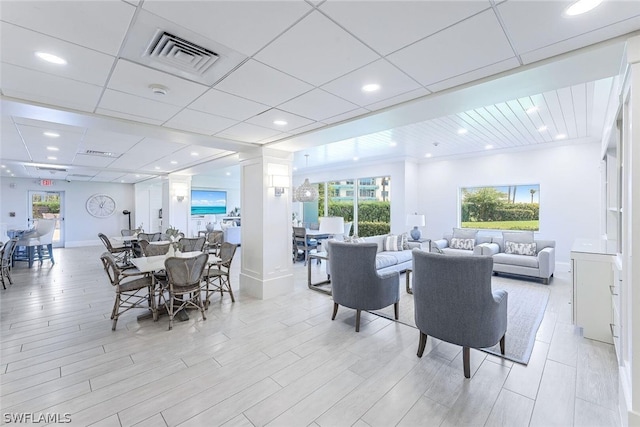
{"type": "Point", "coordinates": [505, 207]}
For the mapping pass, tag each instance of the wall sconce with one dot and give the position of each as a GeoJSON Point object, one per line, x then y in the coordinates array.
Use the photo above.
{"type": "Point", "coordinates": [180, 190]}
{"type": "Point", "coordinates": [279, 183]}
{"type": "Point", "coordinates": [180, 198]}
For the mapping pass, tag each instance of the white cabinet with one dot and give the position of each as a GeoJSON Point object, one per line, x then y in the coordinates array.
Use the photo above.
{"type": "Point", "coordinates": [593, 288]}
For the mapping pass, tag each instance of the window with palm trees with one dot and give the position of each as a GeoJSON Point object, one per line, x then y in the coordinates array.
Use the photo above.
{"type": "Point", "coordinates": [506, 207]}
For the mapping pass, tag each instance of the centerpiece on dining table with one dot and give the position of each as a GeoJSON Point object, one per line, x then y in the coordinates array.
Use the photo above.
{"type": "Point", "coordinates": [173, 234]}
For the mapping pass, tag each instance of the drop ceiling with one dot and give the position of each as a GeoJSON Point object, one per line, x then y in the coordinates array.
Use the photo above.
{"type": "Point", "coordinates": [441, 66]}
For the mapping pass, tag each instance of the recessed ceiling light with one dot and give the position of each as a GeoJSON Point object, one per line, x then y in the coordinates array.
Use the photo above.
{"type": "Point", "coordinates": [371, 87]}
{"type": "Point", "coordinates": [12, 174]}
{"type": "Point", "coordinates": [393, 144]}
{"type": "Point", "coordinates": [542, 128]}
{"type": "Point", "coordinates": [8, 171]}
{"type": "Point", "coordinates": [355, 159]}
{"type": "Point", "coordinates": [561, 136]}
{"type": "Point", "coordinates": [2, 166]}
{"type": "Point", "coordinates": [488, 147]}
{"type": "Point", "coordinates": [279, 122]}
{"type": "Point", "coordinates": [53, 148]}
{"type": "Point", "coordinates": [157, 167]}
{"type": "Point", "coordinates": [193, 153]}
{"type": "Point", "coordinates": [428, 155]}
{"type": "Point", "coordinates": [52, 158]}
{"type": "Point", "coordinates": [295, 168]}
{"type": "Point", "coordinates": [228, 174]}
{"type": "Point", "coordinates": [462, 131]}
{"type": "Point", "coordinates": [173, 162]}
{"type": "Point", "coordinates": [137, 176]}
{"type": "Point", "coordinates": [581, 6]}
{"type": "Point", "coordinates": [51, 58]}
{"type": "Point", "coordinates": [532, 109]}
{"type": "Point", "coordinates": [51, 134]}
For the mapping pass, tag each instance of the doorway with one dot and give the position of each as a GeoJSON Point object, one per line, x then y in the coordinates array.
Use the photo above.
{"type": "Point", "coordinates": [48, 205]}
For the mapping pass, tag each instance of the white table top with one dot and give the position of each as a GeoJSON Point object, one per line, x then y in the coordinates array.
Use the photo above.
{"type": "Point", "coordinates": [124, 238]}
{"type": "Point", "coordinates": [148, 264]}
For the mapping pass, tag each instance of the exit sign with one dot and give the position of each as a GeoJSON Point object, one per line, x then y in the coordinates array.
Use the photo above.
{"type": "Point", "coordinates": [46, 182]}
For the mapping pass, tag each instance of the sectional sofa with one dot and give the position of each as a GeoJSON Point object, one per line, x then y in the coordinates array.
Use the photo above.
{"type": "Point", "coordinates": [517, 252]}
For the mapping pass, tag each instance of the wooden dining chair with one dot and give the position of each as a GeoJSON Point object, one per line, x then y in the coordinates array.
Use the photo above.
{"type": "Point", "coordinates": [192, 244]}
{"type": "Point", "coordinates": [217, 277]}
{"type": "Point", "coordinates": [184, 277]}
{"type": "Point", "coordinates": [121, 253]}
{"type": "Point", "coordinates": [6, 258]}
{"type": "Point", "coordinates": [132, 290]}
{"type": "Point", "coordinates": [149, 249]}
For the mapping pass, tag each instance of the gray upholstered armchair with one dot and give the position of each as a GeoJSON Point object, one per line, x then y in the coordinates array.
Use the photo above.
{"type": "Point", "coordinates": [355, 282]}
{"type": "Point", "coordinates": [454, 302]}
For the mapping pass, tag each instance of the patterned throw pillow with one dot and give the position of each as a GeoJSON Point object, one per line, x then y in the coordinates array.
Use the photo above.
{"type": "Point", "coordinates": [405, 241]}
{"type": "Point", "coordinates": [466, 244]}
{"type": "Point", "coordinates": [392, 243]}
{"type": "Point", "coordinates": [515, 248]}
{"type": "Point", "coordinates": [354, 239]}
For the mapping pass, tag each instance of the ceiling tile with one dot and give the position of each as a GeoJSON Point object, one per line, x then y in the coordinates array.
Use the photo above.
{"type": "Point", "coordinates": [243, 26]}
{"type": "Point", "coordinates": [391, 80]}
{"type": "Point", "coordinates": [136, 105]}
{"type": "Point", "coordinates": [318, 105]}
{"type": "Point", "coordinates": [476, 74]}
{"type": "Point", "coordinates": [226, 105]}
{"type": "Point", "coordinates": [99, 25]}
{"type": "Point", "coordinates": [36, 86]}
{"type": "Point", "coordinates": [344, 116]}
{"type": "Point", "coordinates": [11, 145]}
{"type": "Point", "coordinates": [469, 45]}
{"type": "Point", "coordinates": [403, 22]}
{"type": "Point", "coordinates": [247, 132]}
{"type": "Point", "coordinates": [316, 50]}
{"type": "Point", "coordinates": [268, 118]}
{"type": "Point", "coordinates": [261, 83]}
{"type": "Point", "coordinates": [126, 116]}
{"type": "Point", "coordinates": [522, 21]}
{"type": "Point", "coordinates": [199, 122]}
{"type": "Point", "coordinates": [136, 80]}
{"type": "Point", "coordinates": [92, 161]}
{"type": "Point", "coordinates": [96, 139]}
{"type": "Point", "coordinates": [20, 45]}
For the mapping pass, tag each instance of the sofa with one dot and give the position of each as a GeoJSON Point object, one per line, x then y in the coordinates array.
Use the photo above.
{"type": "Point", "coordinates": [231, 233]}
{"type": "Point", "coordinates": [521, 257]}
{"type": "Point", "coordinates": [387, 257]}
{"type": "Point", "coordinates": [513, 253]}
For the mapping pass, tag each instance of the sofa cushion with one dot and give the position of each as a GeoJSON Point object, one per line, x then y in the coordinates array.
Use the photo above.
{"type": "Point", "coordinates": [520, 248]}
{"type": "Point", "coordinates": [379, 240]}
{"type": "Point", "coordinates": [459, 243]}
{"type": "Point", "coordinates": [519, 260]}
{"type": "Point", "coordinates": [465, 233]}
{"type": "Point", "coordinates": [449, 251]}
{"type": "Point", "coordinates": [385, 259]}
{"type": "Point", "coordinates": [517, 236]}
{"type": "Point", "coordinates": [402, 256]}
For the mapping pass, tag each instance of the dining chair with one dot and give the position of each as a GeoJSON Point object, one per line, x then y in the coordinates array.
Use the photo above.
{"type": "Point", "coordinates": [151, 237]}
{"type": "Point", "coordinates": [120, 253]}
{"type": "Point", "coordinates": [214, 241]}
{"type": "Point", "coordinates": [149, 249]}
{"type": "Point", "coordinates": [192, 244]}
{"type": "Point", "coordinates": [37, 241]}
{"type": "Point", "coordinates": [217, 277]}
{"type": "Point", "coordinates": [302, 243]}
{"type": "Point", "coordinates": [132, 290]}
{"type": "Point", "coordinates": [184, 277]}
{"type": "Point", "coordinates": [6, 258]}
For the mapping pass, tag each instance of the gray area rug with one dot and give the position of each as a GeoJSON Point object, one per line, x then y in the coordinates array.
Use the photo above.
{"type": "Point", "coordinates": [526, 308]}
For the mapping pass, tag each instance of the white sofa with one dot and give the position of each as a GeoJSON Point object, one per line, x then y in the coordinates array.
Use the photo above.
{"type": "Point", "coordinates": [444, 245]}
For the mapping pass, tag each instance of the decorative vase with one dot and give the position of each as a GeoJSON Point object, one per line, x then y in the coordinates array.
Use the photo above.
{"type": "Point", "coordinates": [415, 233]}
{"type": "Point", "coordinates": [210, 227]}
{"type": "Point", "coordinates": [171, 252]}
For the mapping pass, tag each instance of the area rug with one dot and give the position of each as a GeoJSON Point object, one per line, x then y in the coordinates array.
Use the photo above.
{"type": "Point", "coordinates": [526, 306]}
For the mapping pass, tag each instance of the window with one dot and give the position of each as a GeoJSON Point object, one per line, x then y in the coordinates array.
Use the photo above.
{"type": "Point", "coordinates": [374, 206]}
{"type": "Point", "coordinates": [507, 207]}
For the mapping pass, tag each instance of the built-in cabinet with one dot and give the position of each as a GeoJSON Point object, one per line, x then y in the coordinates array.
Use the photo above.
{"type": "Point", "coordinates": [593, 287]}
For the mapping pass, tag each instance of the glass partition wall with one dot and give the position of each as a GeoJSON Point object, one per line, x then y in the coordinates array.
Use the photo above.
{"type": "Point", "coordinates": [365, 202]}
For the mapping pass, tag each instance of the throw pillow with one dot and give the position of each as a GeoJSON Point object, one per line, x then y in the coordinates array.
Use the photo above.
{"type": "Point", "coordinates": [392, 243]}
{"type": "Point", "coordinates": [518, 236]}
{"type": "Point", "coordinates": [354, 239]}
{"type": "Point", "coordinates": [466, 244]}
{"type": "Point", "coordinates": [516, 248]}
{"type": "Point", "coordinates": [436, 249]}
{"type": "Point", "coordinates": [405, 241]}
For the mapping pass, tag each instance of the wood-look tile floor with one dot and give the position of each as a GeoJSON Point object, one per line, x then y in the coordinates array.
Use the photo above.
{"type": "Point", "coordinates": [279, 362]}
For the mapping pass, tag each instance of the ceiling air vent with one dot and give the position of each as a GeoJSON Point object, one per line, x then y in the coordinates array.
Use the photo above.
{"type": "Point", "coordinates": [98, 153]}
{"type": "Point", "coordinates": [45, 168]}
{"type": "Point", "coordinates": [80, 175]}
{"type": "Point", "coordinates": [181, 53]}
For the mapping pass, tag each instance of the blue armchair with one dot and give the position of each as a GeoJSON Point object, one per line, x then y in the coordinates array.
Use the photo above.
{"type": "Point", "coordinates": [355, 282]}
{"type": "Point", "coordinates": [454, 302]}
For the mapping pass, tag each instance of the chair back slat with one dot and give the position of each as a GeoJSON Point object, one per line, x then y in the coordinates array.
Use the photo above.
{"type": "Point", "coordinates": [106, 241]}
{"type": "Point", "coordinates": [192, 244]}
{"type": "Point", "coordinates": [185, 272]}
{"type": "Point", "coordinates": [155, 250]}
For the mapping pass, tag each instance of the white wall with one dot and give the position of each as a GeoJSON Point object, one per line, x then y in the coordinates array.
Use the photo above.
{"type": "Point", "coordinates": [81, 229]}
{"type": "Point", "coordinates": [569, 189]}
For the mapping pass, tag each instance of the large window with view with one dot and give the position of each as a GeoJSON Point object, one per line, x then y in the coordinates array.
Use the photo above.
{"type": "Point", "coordinates": [506, 207]}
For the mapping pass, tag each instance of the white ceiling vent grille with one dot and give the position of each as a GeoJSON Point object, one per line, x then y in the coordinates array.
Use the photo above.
{"type": "Point", "coordinates": [99, 153]}
{"type": "Point", "coordinates": [181, 53]}
{"type": "Point", "coordinates": [51, 169]}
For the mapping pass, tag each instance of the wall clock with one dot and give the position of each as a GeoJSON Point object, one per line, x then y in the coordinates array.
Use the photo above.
{"type": "Point", "coordinates": [101, 205]}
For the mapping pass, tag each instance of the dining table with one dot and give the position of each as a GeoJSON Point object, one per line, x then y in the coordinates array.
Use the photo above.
{"type": "Point", "coordinates": [152, 264]}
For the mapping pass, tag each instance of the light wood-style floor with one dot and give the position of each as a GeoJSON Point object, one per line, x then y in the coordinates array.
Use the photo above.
{"type": "Point", "coordinates": [276, 362]}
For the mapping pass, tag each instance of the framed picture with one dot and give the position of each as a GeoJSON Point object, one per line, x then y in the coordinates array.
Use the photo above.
{"type": "Point", "coordinates": [502, 207]}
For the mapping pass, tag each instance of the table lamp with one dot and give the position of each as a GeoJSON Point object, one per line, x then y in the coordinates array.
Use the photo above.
{"type": "Point", "coordinates": [416, 221]}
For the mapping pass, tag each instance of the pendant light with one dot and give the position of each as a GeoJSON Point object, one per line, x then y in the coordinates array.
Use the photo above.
{"type": "Point", "coordinates": [306, 192]}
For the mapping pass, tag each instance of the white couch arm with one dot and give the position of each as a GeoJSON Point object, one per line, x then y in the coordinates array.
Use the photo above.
{"type": "Point", "coordinates": [487, 249]}
{"type": "Point", "coordinates": [547, 262]}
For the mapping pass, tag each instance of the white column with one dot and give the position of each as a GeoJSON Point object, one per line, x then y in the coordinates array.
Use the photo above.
{"type": "Point", "coordinates": [266, 269]}
{"type": "Point", "coordinates": [176, 203]}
